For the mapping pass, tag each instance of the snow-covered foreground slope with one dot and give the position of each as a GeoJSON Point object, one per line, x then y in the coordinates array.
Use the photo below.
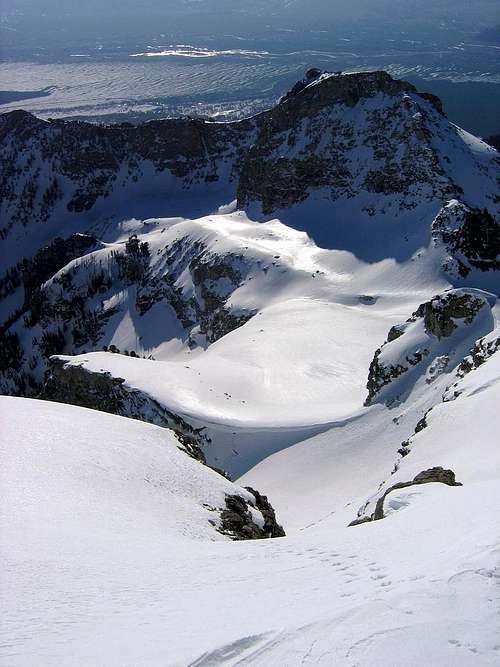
{"type": "Point", "coordinates": [97, 572]}
{"type": "Point", "coordinates": [100, 476]}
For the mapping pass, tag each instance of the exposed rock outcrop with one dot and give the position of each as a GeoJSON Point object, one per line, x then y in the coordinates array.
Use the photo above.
{"type": "Point", "coordinates": [483, 349]}
{"type": "Point", "coordinates": [241, 523]}
{"type": "Point", "coordinates": [441, 312]}
{"type": "Point", "coordinates": [470, 237]}
{"type": "Point", "coordinates": [416, 343]}
{"type": "Point", "coordinates": [437, 474]}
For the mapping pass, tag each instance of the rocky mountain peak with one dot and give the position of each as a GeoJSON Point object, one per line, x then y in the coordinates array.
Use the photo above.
{"type": "Point", "coordinates": [368, 154]}
{"type": "Point", "coordinates": [347, 134]}
{"type": "Point", "coordinates": [319, 89]}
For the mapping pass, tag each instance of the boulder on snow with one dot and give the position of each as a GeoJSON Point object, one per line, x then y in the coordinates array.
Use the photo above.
{"type": "Point", "coordinates": [437, 474]}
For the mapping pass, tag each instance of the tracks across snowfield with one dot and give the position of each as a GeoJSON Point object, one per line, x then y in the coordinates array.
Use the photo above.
{"type": "Point", "coordinates": [100, 564]}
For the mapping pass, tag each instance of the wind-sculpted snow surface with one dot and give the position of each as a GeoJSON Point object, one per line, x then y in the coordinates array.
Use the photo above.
{"type": "Point", "coordinates": [221, 309]}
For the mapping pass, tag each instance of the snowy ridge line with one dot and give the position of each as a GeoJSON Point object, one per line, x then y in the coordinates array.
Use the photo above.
{"type": "Point", "coordinates": [166, 159]}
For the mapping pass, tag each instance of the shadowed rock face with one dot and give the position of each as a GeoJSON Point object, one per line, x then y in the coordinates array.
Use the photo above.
{"type": "Point", "coordinates": [85, 164]}
{"type": "Point", "coordinates": [470, 236]}
{"type": "Point", "coordinates": [52, 258]}
{"type": "Point", "coordinates": [299, 148]}
{"type": "Point", "coordinates": [92, 162]}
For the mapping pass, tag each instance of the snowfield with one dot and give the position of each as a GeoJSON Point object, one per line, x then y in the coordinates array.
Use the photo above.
{"type": "Point", "coordinates": [244, 388]}
{"type": "Point", "coordinates": [108, 558]}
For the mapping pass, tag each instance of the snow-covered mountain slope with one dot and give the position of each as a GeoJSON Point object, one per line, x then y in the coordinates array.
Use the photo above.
{"type": "Point", "coordinates": [364, 164]}
{"type": "Point", "coordinates": [102, 477]}
{"type": "Point", "coordinates": [250, 296]}
{"type": "Point", "coordinates": [437, 418]}
{"type": "Point", "coordinates": [359, 150]}
{"type": "Point", "coordinates": [334, 345]}
{"type": "Point", "coordinates": [97, 565]}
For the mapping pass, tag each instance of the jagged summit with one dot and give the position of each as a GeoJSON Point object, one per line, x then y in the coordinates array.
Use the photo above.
{"type": "Point", "coordinates": [353, 141]}
{"type": "Point", "coordinates": [319, 89]}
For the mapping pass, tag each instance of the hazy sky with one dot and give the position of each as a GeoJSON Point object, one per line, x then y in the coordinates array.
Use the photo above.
{"type": "Point", "coordinates": [50, 22]}
{"type": "Point", "coordinates": [487, 10]}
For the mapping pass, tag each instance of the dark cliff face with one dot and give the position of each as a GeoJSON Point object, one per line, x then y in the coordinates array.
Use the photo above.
{"type": "Point", "coordinates": [70, 166]}
{"type": "Point", "coordinates": [310, 140]}
{"type": "Point", "coordinates": [75, 165]}
{"type": "Point", "coordinates": [470, 236]}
